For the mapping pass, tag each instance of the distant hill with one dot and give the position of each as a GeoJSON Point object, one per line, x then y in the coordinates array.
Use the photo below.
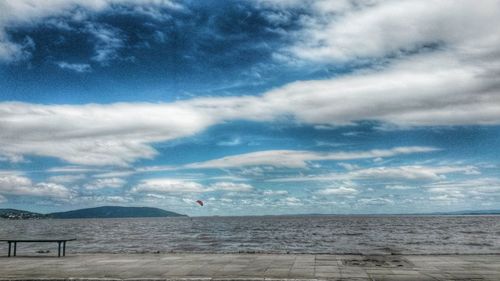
{"type": "Point", "coordinates": [114, 212]}
{"type": "Point", "coordinates": [20, 214]}
{"type": "Point", "coordinates": [98, 212]}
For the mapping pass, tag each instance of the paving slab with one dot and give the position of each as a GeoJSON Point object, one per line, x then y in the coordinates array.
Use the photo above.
{"type": "Point", "coordinates": [250, 267]}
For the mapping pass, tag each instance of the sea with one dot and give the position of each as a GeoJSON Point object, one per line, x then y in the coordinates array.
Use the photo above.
{"type": "Point", "coordinates": [265, 234]}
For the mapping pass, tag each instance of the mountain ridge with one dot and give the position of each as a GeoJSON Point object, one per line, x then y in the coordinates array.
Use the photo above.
{"type": "Point", "coordinates": [95, 212]}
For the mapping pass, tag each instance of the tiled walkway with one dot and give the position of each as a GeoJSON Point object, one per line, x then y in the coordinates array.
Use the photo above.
{"type": "Point", "coordinates": [253, 267]}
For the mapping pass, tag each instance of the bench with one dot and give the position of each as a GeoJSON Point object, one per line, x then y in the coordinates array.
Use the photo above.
{"type": "Point", "coordinates": [13, 242]}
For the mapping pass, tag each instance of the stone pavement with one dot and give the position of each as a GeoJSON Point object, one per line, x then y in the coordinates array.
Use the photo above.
{"type": "Point", "coordinates": [253, 267]}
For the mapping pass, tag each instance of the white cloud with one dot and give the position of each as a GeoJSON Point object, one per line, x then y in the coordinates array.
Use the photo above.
{"type": "Point", "coordinates": [114, 174]}
{"type": "Point", "coordinates": [349, 166]}
{"type": "Point", "coordinates": [482, 188]}
{"type": "Point", "coordinates": [275, 192]}
{"type": "Point", "coordinates": [422, 90]}
{"type": "Point", "coordinates": [291, 201]}
{"type": "Point", "coordinates": [366, 29]}
{"type": "Point", "coordinates": [299, 159]}
{"type": "Point", "coordinates": [19, 185]}
{"type": "Point", "coordinates": [11, 180]}
{"type": "Point", "coordinates": [108, 41]}
{"type": "Point", "coordinates": [87, 134]}
{"type": "Point", "coordinates": [404, 173]}
{"type": "Point", "coordinates": [330, 144]}
{"type": "Point", "coordinates": [232, 142]}
{"type": "Point", "coordinates": [116, 199]}
{"type": "Point", "coordinates": [399, 187]}
{"type": "Point", "coordinates": [66, 178]}
{"type": "Point", "coordinates": [375, 201]}
{"type": "Point", "coordinates": [447, 198]}
{"type": "Point", "coordinates": [102, 199]}
{"type": "Point", "coordinates": [17, 12]}
{"type": "Point", "coordinates": [166, 185]}
{"type": "Point", "coordinates": [169, 185]}
{"type": "Point", "coordinates": [226, 200]}
{"type": "Point", "coordinates": [12, 158]}
{"type": "Point", "coordinates": [228, 178]}
{"type": "Point", "coordinates": [77, 67]}
{"type": "Point", "coordinates": [155, 196]}
{"type": "Point", "coordinates": [455, 84]}
{"type": "Point", "coordinates": [10, 172]}
{"type": "Point", "coordinates": [231, 186]}
{"type": "Point", "coordinates": [70, 169]}
{"type": "Point", "coordinates": [413, 173]}
{"type": "Point", "coordinates": [105, 183]}
{"type": "Point", "coordinates": [156, 168]}
{"type": "Point", "coordinates": [14, 52]}
{"type": "Point", "coordinates": [90, 134]}
{"type": "Point", "coordinates": [338, 191]}
{"type": "Point", "coordinates": [254, 171]}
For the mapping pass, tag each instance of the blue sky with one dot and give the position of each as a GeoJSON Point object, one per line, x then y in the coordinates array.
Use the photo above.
{"type": "Point", "coordinates": [255, 107]}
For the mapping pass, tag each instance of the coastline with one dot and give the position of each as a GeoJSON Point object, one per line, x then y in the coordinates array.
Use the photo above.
{"type": "Point", "coordinates": [178, 266]}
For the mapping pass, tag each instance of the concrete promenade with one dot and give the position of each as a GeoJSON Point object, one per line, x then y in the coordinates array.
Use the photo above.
{"type": "Point", "coordinates": [251, 267]}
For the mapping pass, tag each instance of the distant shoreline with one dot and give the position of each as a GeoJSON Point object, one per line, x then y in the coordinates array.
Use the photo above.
{"type": "Point", "coordinates": [45, 217]}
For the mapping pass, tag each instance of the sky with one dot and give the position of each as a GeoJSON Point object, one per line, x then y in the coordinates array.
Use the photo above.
{"type": "Point", "coordinates": [255, 107]}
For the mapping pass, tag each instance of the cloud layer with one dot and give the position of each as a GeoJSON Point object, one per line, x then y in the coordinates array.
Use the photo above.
{"type": "Point", "coordinates": [13, 184]}
{"type": "Point", "coordinates": [430, 70]}
{"type": "Point", "coordinates": [300, 159]}
{"type": "Point", "coordinates": [248, 104]}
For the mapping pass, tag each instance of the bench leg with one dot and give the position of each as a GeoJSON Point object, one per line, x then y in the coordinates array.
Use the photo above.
{"type": "Point", "coordinates": [15, 248]}
{"type": "Point", "coordinates": [64, 248]}
{"type": "Point", "coordinates": [9, 249]}
{"type": "Point", "coordinates": [59, 249]}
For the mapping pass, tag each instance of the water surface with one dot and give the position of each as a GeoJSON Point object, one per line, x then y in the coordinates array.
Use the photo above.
{"type": "Point", "coordinates": [283, 234]}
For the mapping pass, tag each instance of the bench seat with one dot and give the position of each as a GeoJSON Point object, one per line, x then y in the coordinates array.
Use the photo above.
{"type": "Point", "coordinates": [60, 242]}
